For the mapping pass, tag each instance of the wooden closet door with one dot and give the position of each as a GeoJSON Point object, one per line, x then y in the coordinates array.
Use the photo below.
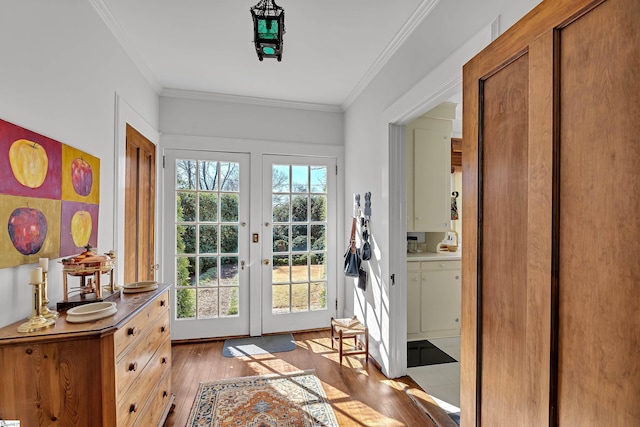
{"type": "Point", "coordinates": [599, 218]}
{"type": "Point", "coordinates": [139, 257]}
{"type": "Point", "coordinates": [550, 317]}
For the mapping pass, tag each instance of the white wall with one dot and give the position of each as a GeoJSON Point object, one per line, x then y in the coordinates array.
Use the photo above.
{"type": "Point", "coordinates": [406, 87]}
{"type": "Point", "coordinates": [196, 114]}
{"type": "Point", "coordinates": [60, 70]}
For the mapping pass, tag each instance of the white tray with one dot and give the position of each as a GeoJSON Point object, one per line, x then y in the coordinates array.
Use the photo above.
{"type": "Point", "coordinates": [90, 312]}
{"type": "Point", "coordinates": [132, 288]}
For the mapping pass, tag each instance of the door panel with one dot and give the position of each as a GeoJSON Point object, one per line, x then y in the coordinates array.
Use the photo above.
{"type": "Point", "coordinates": [207, 206]}
{"type": "Point", "coordinates": [139, 256]}
{"type": "Point", "coordinates": [298, 223]}
{"type": "Point", "coordinates": [599, 182]}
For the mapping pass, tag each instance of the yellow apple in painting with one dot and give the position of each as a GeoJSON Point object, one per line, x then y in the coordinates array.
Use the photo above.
{"type": "Point", "coordinates": [29, 162]}
{"type": "Point", "coordinates": [81, 225]}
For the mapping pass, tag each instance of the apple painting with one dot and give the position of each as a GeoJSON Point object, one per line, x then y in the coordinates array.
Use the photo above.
{"type": "Point", "coordinates": [29, 162]}
{"type": "Point", "coordinates": [81, 225]}
{"type": "Point", "coordinates": [27, 230]}
{"type": "Point", "coordinates": [81, 177]}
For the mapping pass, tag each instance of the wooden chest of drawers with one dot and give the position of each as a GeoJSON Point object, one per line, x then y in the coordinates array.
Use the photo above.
{"type": "Point", "coordinates": [111, 372]}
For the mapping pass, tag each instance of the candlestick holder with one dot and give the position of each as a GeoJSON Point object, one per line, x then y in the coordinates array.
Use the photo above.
{"type": "Point", "coordinates": [46, 311]}
{"type": "Point", "coordinates": [37, 321]}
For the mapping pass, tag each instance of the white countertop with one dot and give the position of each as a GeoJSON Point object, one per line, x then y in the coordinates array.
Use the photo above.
{"type": "Point", "coordinates": [432, 256]}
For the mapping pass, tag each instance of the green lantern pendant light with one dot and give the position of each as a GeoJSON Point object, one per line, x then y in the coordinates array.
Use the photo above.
{"type": "Point", "coordinates": [268, 28]}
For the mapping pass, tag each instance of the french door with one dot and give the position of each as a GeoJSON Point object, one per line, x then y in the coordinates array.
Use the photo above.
{"type": "Point", "coordinates": [206, 215]}
{"type": "Point", "coordinates": [287, 270]}
{"type": "Point", "coordinates": [298, 245]}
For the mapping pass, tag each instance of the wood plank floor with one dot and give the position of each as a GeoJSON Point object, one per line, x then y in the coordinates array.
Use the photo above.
{"type": "Point", "coordinates": [360, 395]}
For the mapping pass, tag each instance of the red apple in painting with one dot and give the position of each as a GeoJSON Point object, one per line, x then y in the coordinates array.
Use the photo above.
{"type": "Point", "coordinates": [27, 229]}
{"type": "Point", "coordinates": [81, 176]}
{"type": "Point", "coordinates": [29, 162]}
{"type": "Point", "coordinates": [81, 226]}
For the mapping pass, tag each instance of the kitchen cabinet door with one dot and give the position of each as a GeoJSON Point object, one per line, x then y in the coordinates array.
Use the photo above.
{"type": "Point", "coordinates": [413, 297]}
{"type": "Point", "coordinates": [432, 172]}
{"type": "Point", "coordinates": [440, 302]}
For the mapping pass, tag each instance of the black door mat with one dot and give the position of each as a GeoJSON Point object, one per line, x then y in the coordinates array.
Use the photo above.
{"type": "Point", "coordinates": [423, 353]}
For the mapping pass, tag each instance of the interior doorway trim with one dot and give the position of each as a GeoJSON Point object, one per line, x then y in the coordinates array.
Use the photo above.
{"type": "Point", "coordinates": [125, 114]}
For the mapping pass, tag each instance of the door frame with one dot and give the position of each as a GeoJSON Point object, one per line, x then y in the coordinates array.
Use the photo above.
{"type": "Point", "coordinates": [125, 114]}
{"type": "Point", "coordinates": [256, 149]}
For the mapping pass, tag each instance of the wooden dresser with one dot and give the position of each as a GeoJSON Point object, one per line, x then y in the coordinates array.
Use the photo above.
{"type": "Point", "coordinates": [110, 372]}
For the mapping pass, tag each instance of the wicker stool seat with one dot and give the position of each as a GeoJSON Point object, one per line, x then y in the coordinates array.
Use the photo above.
{"type": "Point", "coordinates": [342, 329]}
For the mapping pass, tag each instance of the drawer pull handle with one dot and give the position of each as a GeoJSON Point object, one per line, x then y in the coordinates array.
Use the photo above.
{"type": "Point", "coordinates": [165, 394]}
{"type": "Point", "coordinates": [133, 366]}
{"type": "Point", "coordinates": [132, 331]}
{"type": "Point", "coordinates": [164, 360]}
{"type": "Point", "coordinates": [162, 303]}
{"type": "Point", "coordinates": [133, 407]}
{"type": "Point", "coordinates": [163, 328]}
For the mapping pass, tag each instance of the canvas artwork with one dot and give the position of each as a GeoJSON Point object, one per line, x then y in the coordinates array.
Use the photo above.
{"type": "Point", "coordinates": [49, 197]}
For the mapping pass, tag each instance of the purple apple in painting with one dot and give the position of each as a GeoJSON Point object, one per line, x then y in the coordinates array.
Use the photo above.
{"type": "Point", "coordinates": [81, 176]}
{"type": "Point", "coordinates": [27, 230]}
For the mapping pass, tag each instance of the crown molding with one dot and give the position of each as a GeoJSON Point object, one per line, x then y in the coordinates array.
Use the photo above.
{"type": "Point", "coordinates": [122, 38]}
{"type": "Point", "coordinates": [421, 12]}
{"type": "Point", "coordinates": [221, 97]}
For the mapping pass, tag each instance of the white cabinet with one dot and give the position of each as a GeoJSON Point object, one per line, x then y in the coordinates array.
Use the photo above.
{"type": "Point", "coordinates": [433, 299]}
{"type": "Point", "coordinates": [428, 173]}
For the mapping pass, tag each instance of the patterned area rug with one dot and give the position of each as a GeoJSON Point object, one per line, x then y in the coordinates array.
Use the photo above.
{"type": "Point", "coordinates": [295, 399]}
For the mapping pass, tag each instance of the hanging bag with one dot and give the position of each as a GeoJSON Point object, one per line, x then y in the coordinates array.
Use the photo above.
{"type": "Point", "coordinates": [352, 256]}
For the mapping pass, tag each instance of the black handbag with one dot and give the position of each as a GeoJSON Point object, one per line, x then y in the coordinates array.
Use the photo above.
{"type": "Point", "coordinates": [366, 247]}
{"type": "Point", "coordinates": [352, 258]}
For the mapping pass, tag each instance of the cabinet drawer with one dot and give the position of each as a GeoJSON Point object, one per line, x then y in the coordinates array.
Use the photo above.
{"type": "Point", "coordinates": [440, 265]}
{"type": "Point", "coordinates": [137, 326]}
{"type": "Point", "coordinates": [158, 401]}
{"type": "Point", "coordinates": [132, 404]}
{"type": "Point", "coordinates": [413, 266]}
{"type": "Point", "coordinates": [131, 363]}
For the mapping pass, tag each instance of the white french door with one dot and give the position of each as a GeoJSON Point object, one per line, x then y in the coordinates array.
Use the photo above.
{"type": "Point", "coordinates": [226, 284]}
{"type": "Point", "coordinates": [298, 244]}
{"type": "Point", "coordinates": [207, 197]}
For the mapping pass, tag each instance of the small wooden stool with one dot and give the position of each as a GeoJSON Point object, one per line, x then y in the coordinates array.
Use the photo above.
{"type": "Point", "coordinates": [342, 329]}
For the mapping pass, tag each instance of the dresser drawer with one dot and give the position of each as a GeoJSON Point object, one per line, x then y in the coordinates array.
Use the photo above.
{"type": "Point", "coordinates": [132, 404]}
{"type": "Point", "coordinates": [157, 403]}
{"type": "Point", "coordinates": [138, 325]}
{"type": "Point", "coordinates": [132, 362]}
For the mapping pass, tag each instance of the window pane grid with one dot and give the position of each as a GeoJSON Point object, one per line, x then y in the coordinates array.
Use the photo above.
{"type": "Point", "coordinates": [207, 225]}
{"type": "Point", "coordinates": [299, 238]}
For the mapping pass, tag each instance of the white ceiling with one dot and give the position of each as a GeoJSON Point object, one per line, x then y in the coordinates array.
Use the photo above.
{"type": "Point", "coordinates": [332, 48]}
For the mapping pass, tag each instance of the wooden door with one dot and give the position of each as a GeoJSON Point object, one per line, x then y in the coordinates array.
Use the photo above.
{"type": "Point", "coordinates": [139, 257]}
{"type": "Point", "coordinates": [549, 293]}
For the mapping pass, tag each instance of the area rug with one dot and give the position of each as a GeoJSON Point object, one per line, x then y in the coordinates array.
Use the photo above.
{"type": "Point", "coordinates": [252, 346]}
{"type": "Point", "coordinates": [423, 353]}
{"type": "Point", "coordinates": [287, 400]}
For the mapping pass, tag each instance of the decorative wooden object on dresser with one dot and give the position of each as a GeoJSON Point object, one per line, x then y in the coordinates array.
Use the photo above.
{"type": "Point", "coordinates": [114, 371]}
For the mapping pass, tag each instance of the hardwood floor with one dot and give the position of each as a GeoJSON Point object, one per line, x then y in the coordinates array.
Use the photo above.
{"type": "Point", "coordinates": [360, 395]}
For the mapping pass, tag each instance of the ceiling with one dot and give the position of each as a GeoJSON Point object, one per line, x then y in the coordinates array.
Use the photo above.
{"type": "Point", "coordinates": [332, 48]}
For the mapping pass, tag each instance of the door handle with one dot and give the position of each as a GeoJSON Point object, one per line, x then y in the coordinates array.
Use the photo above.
{"type": "Point", "coordinates": [242, 263]}
{"type": "Point", "coordinates": [265, 262]}
{"type": "Point", "coordinates": [155, 267]}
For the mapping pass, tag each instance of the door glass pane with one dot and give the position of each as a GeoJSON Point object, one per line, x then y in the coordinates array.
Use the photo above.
{"type": "Point", "coordinates": [208, 209]}
{"type": "Point", "coordinates": [208, 175]}
{"type": "Point", "coordinates": [229, 207]}
{"type": "Point", "coordinates": [207, 225]}
{"type": "Point", "coordinates": [186, 174]}
{"type": "Point", "coordinates": [229, 176]}
{"type": "Point", "coordinates": [280, 179]}
{"type": "Point", "coordinates": [299, 213]}
{"type": "Point", "coordinates": [280, 208]}
{"type": "Point", "coordinates": [280, 238]}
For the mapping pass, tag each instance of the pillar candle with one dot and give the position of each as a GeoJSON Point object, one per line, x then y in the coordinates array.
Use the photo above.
{"type": "Point", "coordinates": [44, 264]}
{"type": "Point", "coordinates": [36, 275]}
